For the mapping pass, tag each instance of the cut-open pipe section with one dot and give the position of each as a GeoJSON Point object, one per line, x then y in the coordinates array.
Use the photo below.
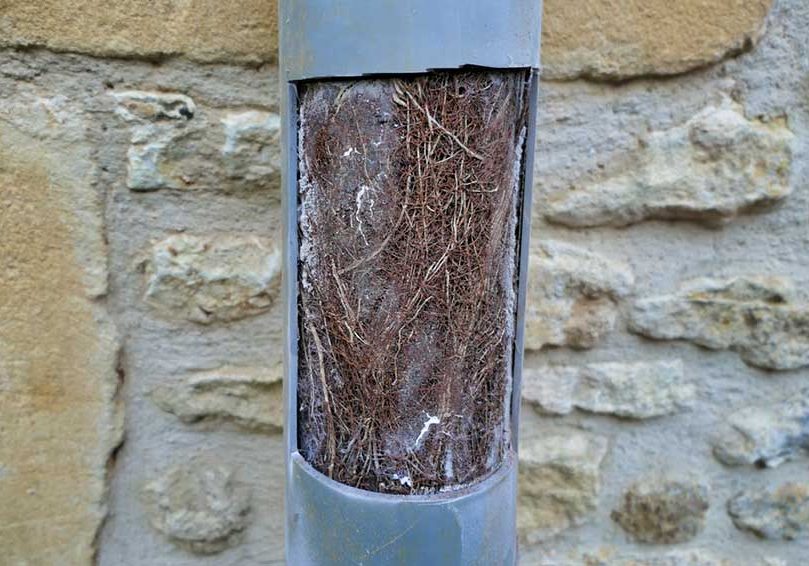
{"type": "Point", "coordinates": [408, 143]}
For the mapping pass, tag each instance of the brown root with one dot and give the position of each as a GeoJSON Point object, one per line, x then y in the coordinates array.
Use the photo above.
{"type": "Point", "coordinates": [409, 195]}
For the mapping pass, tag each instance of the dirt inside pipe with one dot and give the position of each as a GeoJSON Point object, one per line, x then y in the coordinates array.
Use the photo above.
{"type": "Point", "coordinates": [409, 197]}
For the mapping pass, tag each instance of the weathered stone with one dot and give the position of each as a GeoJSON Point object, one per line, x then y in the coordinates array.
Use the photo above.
{"type": "Point", "coordinates": [662, 511]}
{"type": "Point", "coordinates": [202, 30]}
{"type": "Point", "coordinates": [252, 149]}
{"type": "Point", "coordinates": [176, 146]}
{"type": "Point", "coordinates": [572, 296]}
{"type": "Point", "coordinates": [640, 390]}
{"type": "Point", "coordinates": [766, 436]}
{"type": "Point", "coordinates": [162, 125]}
{"type": "Point", "coordinates": [754, 316]}
{"type": "Point", "coordinates": [250, 398]}
{"type": "Point", "coordinates": [560, 480]}
{"type": "Point", "coordinates": [782, 514]}
{"type": "Point", "coordinates": [605, 39]}
{"type": "Point", "coordinates": [677, 558]}
{"type": "Point", "coordinates": [136, 105]}
{"type": "Point", "coordinates": [207, 279]}
{"type": "Point", "coordinates": [709, 169]}
{"type": "Point", "coordinates": [608, 556]}
{"type": "Point", "coordinates": [60, 417]}
{"type": "Point", "coordinates": [199, 505]}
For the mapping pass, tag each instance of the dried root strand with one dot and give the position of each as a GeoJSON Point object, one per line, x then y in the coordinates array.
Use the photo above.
{"type": "Point", "coordinates": [409, 200]}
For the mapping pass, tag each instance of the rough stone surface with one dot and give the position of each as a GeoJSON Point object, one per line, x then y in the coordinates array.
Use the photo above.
{"type": "Point", "coordinates": [709, 169]}
{"type": "Point", "coordinates": [662, 511]}
{"type": "Point", "coordinates": [177, 145]}
{"type": "Point", "coordinates": [202, 30]}
{"type": "Point", "coordinates": [158, 122]}
{"type": "Point", "coordinates": [572, 296]}
{"type": "Point", "coordinates": [782, 514]}
{"type": "Point", "coordinates": [617, 40]}
{"type": "Point", "coordinates": [677, 558]}
{"type": "Point", "coordinates": [199, 505]}
{"type": "Point", "coordinates": [250, 398]}
{"type": "Point", "coordinates": [560, 480]}
{"type": "Point", "coordinates": [229, 229]}
{"type": "Point", "coordinates": [134, 106]}
{"type": "Point", "coordinates": [639, 390]}
{"type": "Point", "coordinates": [766, 436]}
{"type": "Point", "coordinates": [206, 279]}
{"type": "Point", "coordinates": [60, 419]}
{"type": "Point", "coordinates": [755, 316]}
{"type": "Point", "coordinates": [73, 237]}
{"type": "Point", "coordinates": [252, 148]}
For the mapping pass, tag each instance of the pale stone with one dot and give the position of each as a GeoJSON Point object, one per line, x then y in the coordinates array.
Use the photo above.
{"type": "Point", "coordinates": [696, 557]}
{"type": "Point", "coordinates": [144, 164]}
{"type": "Point", "coordinates": [754, 316]}
{"type": "Point", "coordinates": [213, 278]}
{"type": "Point", "coordinates": [766, 436]}
{"type": "Point", "coordinates": [60, 415]}
{"type": "Point", "coordinates": [250, 398]}
{"type": "Point", "coordinates": [252, 149]}
{"type": "Point", "coordinates": [572, 296]}
{"type": "Point", "coordinates": [202, 30]}
{"type": "Point", "coordinates": [175, 145]}
{"type": "Point", "coordinates": [160, 123]}
{"type": "Point", "coordinates": [608, 39]}
{"type": "Point", "coordinates": [782, 514]}
{"type": "Point", "coordinates": [663, 511]}
{"type": "Point", "coordinates": [134, 105]}
{"type": "Point", "coordinates": [559, 482]}
{"type": "Point", "coordinates": [710, 169]}
{"type": "Point", "coordinates": [639, 390]}
{"type": "Point", "coordinates": [199, 505]}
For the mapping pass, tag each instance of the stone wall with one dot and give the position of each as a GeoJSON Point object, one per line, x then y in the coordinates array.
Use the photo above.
{"type": "Point", "coordinates": [666, 396]}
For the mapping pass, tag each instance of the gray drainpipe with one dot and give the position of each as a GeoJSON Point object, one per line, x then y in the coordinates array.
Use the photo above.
{"type": "Point", "coordinates": [329, 523]}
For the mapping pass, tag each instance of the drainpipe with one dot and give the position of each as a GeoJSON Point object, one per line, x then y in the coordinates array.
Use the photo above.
{"type": "Point", "coordinates": [329, 522]}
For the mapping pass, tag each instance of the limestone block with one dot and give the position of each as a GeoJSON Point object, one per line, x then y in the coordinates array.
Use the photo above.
{"type": "Point", "coordinates": [252, 148]}
{"type": "Point", "coordinates": [560, 480]}
{"type": "Point", "coordinates": [201, 30]}
{"type": "Point", "coordinates": [250, 398]}
{"type": "Point", "coordinates": [663, 511]}
{"type": "Point", "coordinates": [176, 145]}
{"type": "Point", "coordinates": [766, 436]}
{"type": "Point", "coordinates": [60, 415]}
{"type": "Point", "coordinates": [199, 505]}
{"type": "Point", "coordinates": [135, 105]}
{"type": "Point", "coordinates": [639, 390]}
{"type": "Point", "coordinates": [779, 514]}
{"type": "Point", "coordinates": [608, 39]}
{"type": "Point", "coordinates": [696, 557]}
{"type": "Point", "coordinates": [213, 278]}
{"type": "Point", "coordinates": [710, 169]}
{"type": "Point", "coordinates": [756, 316]}
{"type": "Point", "coordinates": [163, 125]}
{"type": "Point", "coordinates": [572, 296]}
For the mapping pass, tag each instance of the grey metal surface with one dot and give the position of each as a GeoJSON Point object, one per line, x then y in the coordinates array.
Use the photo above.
{"type": "Point", "coordinates": [289, 284]}
{"type": "Point", "coordinates": [331, 524]}
{"type": "Point", "coordinates": [524, 243]}
{"type": "Point", "coordinates": [350, 38]}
